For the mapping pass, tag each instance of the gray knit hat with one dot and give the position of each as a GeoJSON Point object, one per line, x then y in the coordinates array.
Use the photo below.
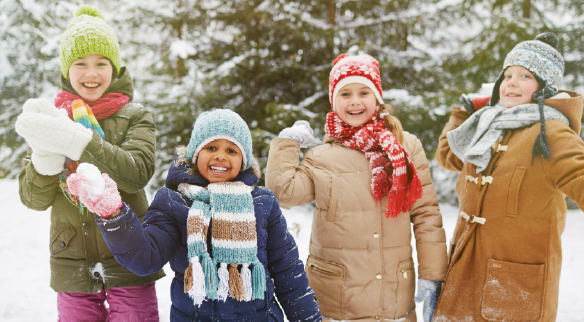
{"type": "Point", "coordinates": [542, 59]}
{"type": "Point", "coordinates": [221, 124]}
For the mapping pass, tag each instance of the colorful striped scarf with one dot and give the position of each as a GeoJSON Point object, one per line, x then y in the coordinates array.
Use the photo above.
{"type": "Point", "coordinates": [102, 108]}
{"type": "Point", "coordinates": [84, 115]}
{"type": "Point", "coordinates": [392, 171]}
{"type": "Point", "coordinates": [234, 241]}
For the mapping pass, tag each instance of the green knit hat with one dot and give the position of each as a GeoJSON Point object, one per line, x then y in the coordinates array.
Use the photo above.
{"type": "Point", "coordinates": [88, 34]}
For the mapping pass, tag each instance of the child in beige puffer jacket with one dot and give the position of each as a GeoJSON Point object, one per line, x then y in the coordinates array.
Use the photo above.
{"type": "Point", "coordinates": [370, 180]}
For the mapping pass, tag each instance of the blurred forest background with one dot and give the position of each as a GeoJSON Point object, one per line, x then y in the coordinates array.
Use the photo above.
{"type": "Point", "coordinates": [269, 60]}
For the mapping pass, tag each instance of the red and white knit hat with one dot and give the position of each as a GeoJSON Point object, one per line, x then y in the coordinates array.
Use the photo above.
{"type": "Point", "coordinates": [362, 69]}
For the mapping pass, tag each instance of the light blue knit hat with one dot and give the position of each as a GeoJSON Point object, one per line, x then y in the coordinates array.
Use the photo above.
{"type": "Point", "coordinates": [221, 124]}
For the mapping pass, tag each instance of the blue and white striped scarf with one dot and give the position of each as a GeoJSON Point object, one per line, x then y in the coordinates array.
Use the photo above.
{"type": "Point", "coordinates": [234, 242]}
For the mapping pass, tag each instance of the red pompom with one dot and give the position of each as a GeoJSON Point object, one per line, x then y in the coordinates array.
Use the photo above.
{"type": "Point", "coordinates": [341, 56]}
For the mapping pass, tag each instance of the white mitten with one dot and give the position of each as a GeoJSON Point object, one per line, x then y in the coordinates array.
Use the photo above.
{"type": "Point", "coordinates": [45, 162]}
{"type": "Point", "coordinates": [43, 106]}
{"type": "Point", "coordinates": [54, 134]}
{"type": "Point", "coordinates": [301, 132]}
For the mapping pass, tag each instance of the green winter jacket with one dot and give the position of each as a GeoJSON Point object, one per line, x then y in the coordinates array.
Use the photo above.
{"type": "Point", "coordinates": [80, 259]}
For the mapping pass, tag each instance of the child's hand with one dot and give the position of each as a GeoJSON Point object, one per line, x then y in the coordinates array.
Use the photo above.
{"type": "Point", "coordinates": [473, 103]}
{"type": "Point", "coordinates": [45, 162]}
{"type": "Point", "coordinates": [301, 132]}
{"type": "Point", "coordinates": [43, 125]}
{"type": "Point", "coordinates": [428, 292]}
{"type": "Point", "coordinates": [98, 192]}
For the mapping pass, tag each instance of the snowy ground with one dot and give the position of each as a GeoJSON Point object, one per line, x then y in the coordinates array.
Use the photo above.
{"type": "Point", "coordinates": [25, 294]}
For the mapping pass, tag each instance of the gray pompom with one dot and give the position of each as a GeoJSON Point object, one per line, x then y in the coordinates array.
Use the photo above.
{"type": "Point", "coordinates": [548, 38]}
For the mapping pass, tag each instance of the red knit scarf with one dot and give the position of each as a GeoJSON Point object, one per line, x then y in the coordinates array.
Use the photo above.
{"type": "Point", "coordinates": [385, 155]}
{"type": "Point", "coordinates": [103, 108]}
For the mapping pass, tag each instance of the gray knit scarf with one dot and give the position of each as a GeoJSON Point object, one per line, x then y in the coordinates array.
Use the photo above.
{"type": "Point", "coordinates": [472, 140]}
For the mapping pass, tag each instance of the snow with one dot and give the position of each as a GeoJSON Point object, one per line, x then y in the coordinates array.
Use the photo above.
{"type": "Point", "coordinates": [24, 249]}
{"type": "Point", "coordinates": [93, 177]}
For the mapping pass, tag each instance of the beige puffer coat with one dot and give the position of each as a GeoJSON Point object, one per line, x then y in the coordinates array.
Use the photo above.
{"type": "Point", "coordinates": [360, 264]}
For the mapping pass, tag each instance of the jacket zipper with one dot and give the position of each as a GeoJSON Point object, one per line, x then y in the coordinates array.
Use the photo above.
{"type": "Point", "coordinates": [324, 271]}
{"type": "Point", "coordinates": [405, 272]}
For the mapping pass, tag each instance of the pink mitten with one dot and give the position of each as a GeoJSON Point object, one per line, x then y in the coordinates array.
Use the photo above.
{"type": "Point", "coordinates": [97, 191]}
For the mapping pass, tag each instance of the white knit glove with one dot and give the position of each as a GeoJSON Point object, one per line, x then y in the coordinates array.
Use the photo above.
{"type": "Point", "coordinates": [43, 125]}
{"type": "Point", "coordinates": [45, 162]}
{"type": "Point", "coordinates": [429, 292]}
{"type": "Point", "coordinates": [300, 132]}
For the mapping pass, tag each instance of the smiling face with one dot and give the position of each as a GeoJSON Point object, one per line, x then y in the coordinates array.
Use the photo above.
{"type": "Point", "coordinates": [90, 76]}
{"type": "Point", "coordinates": [356, 104]}
{"type": "Point", "coordinates": [219, 161]}
{"type": "Point", "coordinates": [517, 87]}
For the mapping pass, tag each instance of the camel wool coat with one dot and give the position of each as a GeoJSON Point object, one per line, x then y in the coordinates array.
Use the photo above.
{"type": "Point", "coordinates": [360, 265]}
{"type": "Point", "coordinates": [506, 257]}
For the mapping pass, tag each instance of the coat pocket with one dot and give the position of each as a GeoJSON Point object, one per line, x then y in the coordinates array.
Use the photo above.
{"type": "Point", "coordinates": [406, 287]}
{"type": "Point", "coordinates": [514, 187]}
{"type": "Point", "coordinates": [326, 279]}
{"type": "Point", "coordinates": [513, 291]}
{"type": "Point", "coordinates": [61, 235]}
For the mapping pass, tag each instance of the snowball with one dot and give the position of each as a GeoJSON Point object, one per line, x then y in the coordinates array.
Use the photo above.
{"type": "Point", "coordinates": [93, 176]}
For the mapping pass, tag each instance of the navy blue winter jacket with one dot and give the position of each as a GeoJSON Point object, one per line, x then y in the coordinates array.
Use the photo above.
{"type": "Point", "coordinates": [146, 248]}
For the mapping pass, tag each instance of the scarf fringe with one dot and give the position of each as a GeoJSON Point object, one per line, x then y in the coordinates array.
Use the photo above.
{"type": "Point", "coordinates": [196, 281]}
{"type": "Point", "coordinates": [223, 290]}
{"type": "Point", "coordinates": [246, 278]}
{"type": "Point", "coordinates": [258, 280]}
{"type": "Point", "coordinates": [210, 271]}
{"type": "Point", "coordinates": [402, 200]}
{"type": "Point", "coordinates": [235, 283]}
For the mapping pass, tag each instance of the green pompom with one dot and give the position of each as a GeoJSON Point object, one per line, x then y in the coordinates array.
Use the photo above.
{"type": "Point", "coordinates": [88, 10]}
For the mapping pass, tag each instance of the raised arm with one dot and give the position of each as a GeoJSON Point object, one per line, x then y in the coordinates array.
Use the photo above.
{"type": "Point", "coordinates": [444, 155]}
{"type": "Point", "coordinates": [290, 181]}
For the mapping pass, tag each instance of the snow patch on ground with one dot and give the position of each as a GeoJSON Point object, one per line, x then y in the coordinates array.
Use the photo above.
{"type": "Point", "coordinates": [25, 294]}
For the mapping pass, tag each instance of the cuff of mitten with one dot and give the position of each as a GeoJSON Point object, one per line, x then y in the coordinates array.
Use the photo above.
{"type": "Point", "coordinates": [49, 164]}
{"type": "Point", "coordinates": [117, 222]}
{"type": "Point", "coordinates": [290, 134]}
{"type": "Point", "coordinates": [81, 139]}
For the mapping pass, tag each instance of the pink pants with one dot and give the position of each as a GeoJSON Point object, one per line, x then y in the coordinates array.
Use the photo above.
{"type": "Point", "coordinates": [132, 304]}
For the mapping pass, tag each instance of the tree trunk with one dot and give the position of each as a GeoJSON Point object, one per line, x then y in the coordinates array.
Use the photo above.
{"type": "Point", "coordinates": [526, 6]}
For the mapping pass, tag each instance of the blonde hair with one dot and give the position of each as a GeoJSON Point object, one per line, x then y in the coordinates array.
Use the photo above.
{"type": "Point", "coordinates": [391, 122]}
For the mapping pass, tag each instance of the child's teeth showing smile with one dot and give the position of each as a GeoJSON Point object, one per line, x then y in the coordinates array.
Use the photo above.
{"type": "Point", "coordinates": [355, 112]}
{"type": "Point", "coordinates": [91, 85]}
{"type": "Point", "coordinates": [218, 169]}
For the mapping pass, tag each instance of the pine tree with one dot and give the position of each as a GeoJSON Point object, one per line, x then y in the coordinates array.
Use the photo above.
{"type": "Point", "coordinates": [29, 66]}
{"type": "Point", "coordinates": [272, 66]}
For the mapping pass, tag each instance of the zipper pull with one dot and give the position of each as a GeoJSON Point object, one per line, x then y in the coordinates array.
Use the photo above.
{"type": "Point", "coordinates": [405, 274]}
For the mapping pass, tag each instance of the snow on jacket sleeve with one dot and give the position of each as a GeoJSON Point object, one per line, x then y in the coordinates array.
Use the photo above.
{"type": "Point", "coordinates": [565, 168]}
{"type": "Point", "coordinates": [143, 248]}
{"type": "Point", "coordinates": [444, 155]}
{"type": "Point", "coordinates": [131, 163]}
{"type": "Point", "coordinates": [427, 219]}
{"type": "Point", "coordinates": [287, 270]}
{"type": "Point", "coordinates": [291, 182]}
{"type": "Point", "coordinates": [36, 190]}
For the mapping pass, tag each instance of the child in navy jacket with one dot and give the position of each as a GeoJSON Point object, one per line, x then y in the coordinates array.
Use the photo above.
{"type": "Point", "coordinates": [225, 238]}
